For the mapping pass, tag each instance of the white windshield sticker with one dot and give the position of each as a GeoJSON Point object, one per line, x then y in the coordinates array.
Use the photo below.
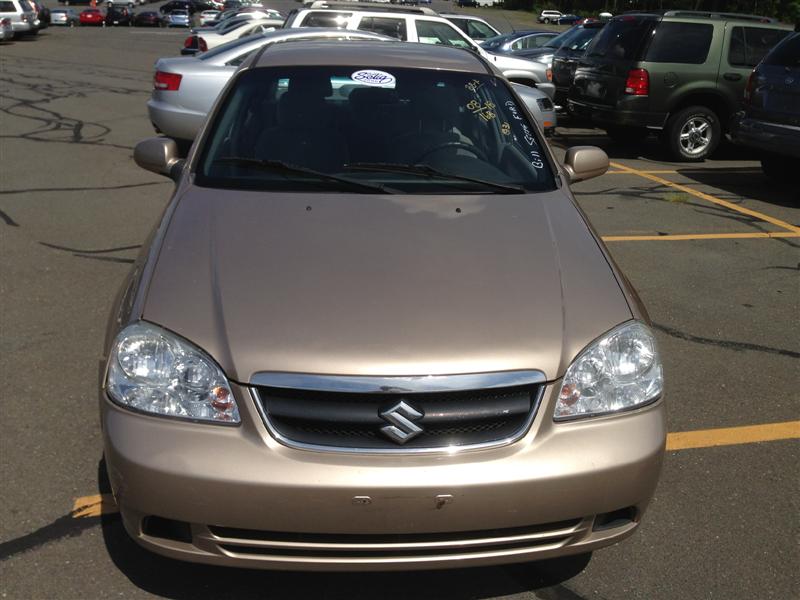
{"type": "Point", "coordinates": [371, 77]}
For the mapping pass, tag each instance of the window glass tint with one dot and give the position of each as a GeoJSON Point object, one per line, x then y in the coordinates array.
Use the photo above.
{"type": "Point", "coordinates": [334, 119]}
{"type": "Point", "coordinates": [750, 44]}
{"type": "Point", "coordinates": [582, 39]}
{"type": "Point", "coordinates": [223, 49]}
{"type": "Point", "coordinates": [479, 31]}
{"type": "Point", "coordinates": [497, 41]}
{"type": "Point", "coordinates": [563, 38]}
{"type": "Point", "coordinates": [326, 19]}
{"type": "Point", "coordinates": [622, 38]}
{"type": "Point", "coordinates": [7, 7]}
{"type": "Point", "coordinates": [787, 54]}
{"type": "Point", "coordinates": [395, 28]}
{"type": "Point", "coordinates": [433, 32]}
{"type": "Point", "coordinates": [686, 43]}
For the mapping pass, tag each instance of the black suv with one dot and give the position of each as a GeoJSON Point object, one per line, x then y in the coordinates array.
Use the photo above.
{"type": "Point", "coordinates": [565, 59]}
{"type": "Point", "coordinates": [770, 121]}
{"type": "Point", "coordinates": [682, 73]}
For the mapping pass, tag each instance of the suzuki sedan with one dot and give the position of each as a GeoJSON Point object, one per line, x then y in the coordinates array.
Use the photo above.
{"type": "Point", "coordinates": [373, 330]}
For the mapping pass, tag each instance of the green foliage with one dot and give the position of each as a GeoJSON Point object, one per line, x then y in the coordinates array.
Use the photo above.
{"type": "Point", "coordinates": [787, 11]}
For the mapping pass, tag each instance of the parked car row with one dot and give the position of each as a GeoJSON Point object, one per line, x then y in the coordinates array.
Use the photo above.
{"type": "Point", "coordinates": [680, 75]}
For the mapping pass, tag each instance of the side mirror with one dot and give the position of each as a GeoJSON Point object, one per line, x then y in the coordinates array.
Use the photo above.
{"type": "Point", "coordinates": [585, 162]}
{"type": "Point", "coordinates": [159, 155]}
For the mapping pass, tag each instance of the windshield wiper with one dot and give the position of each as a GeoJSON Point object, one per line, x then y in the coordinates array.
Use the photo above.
{"type": "Point", "coordinates": [278, 166]}
{"type": "Point", "coordinates": [432, 173]}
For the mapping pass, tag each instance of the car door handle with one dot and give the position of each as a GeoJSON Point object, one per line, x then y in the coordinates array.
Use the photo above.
{"type": "Point", "coordinates": [732, 76]}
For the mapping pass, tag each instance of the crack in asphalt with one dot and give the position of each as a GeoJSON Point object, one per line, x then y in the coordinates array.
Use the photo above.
{"type": "Point", "coordinates": [30, 91]}
{"type": "Point", "coordinates": [728, 344]}
{"type": "Point", "coordinates": [92, 254]}
{"type": "Point", "coordinates": [7, 219]}
{"type": "Point", "coordinates": [125, 186]}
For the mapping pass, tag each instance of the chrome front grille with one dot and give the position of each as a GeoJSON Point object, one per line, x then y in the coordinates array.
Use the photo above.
{"type": "Point", "coordinates": [398, 414]}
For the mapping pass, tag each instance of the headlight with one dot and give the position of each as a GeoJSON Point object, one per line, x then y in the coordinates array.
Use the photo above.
{"type": "Point", "coordinates": [155, 371]}
{"type": "Point", "coordinates": [545, 59]}
{"type": "Point", "coordinates": [620, 371]}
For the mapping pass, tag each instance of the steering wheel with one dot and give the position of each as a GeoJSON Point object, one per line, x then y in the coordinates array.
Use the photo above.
{"type": "Point", "coordinates": [471, 149]}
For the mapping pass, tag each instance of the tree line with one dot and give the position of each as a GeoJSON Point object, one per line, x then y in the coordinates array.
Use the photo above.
{"type": "Point", "coordinates": [787, 11]}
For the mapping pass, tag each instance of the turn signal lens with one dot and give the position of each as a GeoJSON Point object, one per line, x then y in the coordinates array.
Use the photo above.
{"type": "Point", "coordinates": [167, 82]}
{"type": "Point", "coordinates": [750, 88]}
{"type": "Point", "coordinates": [638, 82]}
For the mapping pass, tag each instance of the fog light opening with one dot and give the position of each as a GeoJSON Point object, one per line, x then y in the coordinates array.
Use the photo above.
{"type": "Point", "coordinates": [617, 518]}
{"type": "Point", "coordinates": [167, 529]}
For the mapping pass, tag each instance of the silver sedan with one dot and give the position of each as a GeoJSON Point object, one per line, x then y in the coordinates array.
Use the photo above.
{"type": "Point", "coordinates": [186, 87]}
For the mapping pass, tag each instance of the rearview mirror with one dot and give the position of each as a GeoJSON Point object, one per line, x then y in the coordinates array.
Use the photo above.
{"type": "Point", "coordinates": [159, 155]}
{"type": "Point", "coordinates": [585, 162]}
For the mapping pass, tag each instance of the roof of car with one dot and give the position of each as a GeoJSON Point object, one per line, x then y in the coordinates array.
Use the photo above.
{"type": "Point", "coordinates": [370, 54]}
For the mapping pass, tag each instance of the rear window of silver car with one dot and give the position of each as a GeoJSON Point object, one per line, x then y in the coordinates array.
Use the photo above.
{"type": "Point", "coordinates": [410, 130]}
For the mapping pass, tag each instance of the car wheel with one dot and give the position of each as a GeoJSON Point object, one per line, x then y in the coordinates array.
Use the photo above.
{"type": "Point", "coordinates": [547, 21]}
{"type": "Point", "coordinates": [693, 133]}
{"type": "Point", "coordinates": [627, 135]}
{"type": "Point", "coordinates": [779, 168]}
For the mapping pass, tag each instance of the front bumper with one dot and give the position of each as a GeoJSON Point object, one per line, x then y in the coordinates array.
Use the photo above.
{"type": "Point", "coordinates": [774, 138]}
{"type": "Point", "coordinates": [245, 500]}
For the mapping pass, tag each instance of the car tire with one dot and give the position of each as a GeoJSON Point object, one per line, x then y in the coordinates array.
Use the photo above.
{"type": "Point", "coordinates": [692, 134]}
{"type": "Point", "coordinates": [777, 167]}
{"type": "Point", "coordinates": [547, 21]}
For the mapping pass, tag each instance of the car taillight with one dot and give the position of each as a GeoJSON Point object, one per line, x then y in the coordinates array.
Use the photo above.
{"type": "Point", "coordinates": [750, 87]}
{"type": "Point", "coordinates": [201, 44]}
{"type": "Point", "coordinates": [189, 42]}
{"type": "Point", "coordinates": [549, 74]}
{"type": "Point", "coordinates": [638, 82]}
{"type": "Point", "coordinates": [167, 82]}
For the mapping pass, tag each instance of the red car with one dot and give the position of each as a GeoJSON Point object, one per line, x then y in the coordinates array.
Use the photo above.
{"type": "Point", "coordinates": [92, 16]}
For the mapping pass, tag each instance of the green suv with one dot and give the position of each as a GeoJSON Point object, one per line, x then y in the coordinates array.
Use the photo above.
{"type": "Point", "coordinates": [681, 74]}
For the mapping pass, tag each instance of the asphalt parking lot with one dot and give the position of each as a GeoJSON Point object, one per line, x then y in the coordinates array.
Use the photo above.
{"type": "Point", "coordinates": [713, 249]}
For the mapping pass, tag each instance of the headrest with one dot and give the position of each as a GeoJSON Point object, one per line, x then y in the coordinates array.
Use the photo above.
{"type": "Point", "coordinates": [310, 86]}
{"type": "Point", "coordinates": [366, 97]}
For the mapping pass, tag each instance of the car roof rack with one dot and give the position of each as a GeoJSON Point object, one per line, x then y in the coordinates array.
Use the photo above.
{"type": "Point", "coordinates": [702, 14]}
{"type": "Point", "coordinates": [372, 7]}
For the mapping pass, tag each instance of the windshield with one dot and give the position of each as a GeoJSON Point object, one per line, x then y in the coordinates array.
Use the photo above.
{"type": "Point", "coordinates": [394, 129]}
{"type": "Point", "coordinates": [564, 38]}
{"type": "Point", "coordinates": [497, 41]}
{"type": "Point", "coordinates": [622, 38]}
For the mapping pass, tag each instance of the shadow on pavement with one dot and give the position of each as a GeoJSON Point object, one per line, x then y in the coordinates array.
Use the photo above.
{"type": "Point", "coordinates": [180, 580]}
{"type": "Point", "coordinates": [745, 182]}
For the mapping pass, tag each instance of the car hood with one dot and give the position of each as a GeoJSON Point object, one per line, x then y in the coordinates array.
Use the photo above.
{"type": "Point", "coordinates": [360, 284]}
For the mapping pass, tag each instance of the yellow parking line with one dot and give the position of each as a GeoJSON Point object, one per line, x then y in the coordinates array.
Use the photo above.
{"type": "Point", "coordinates": [708, 197]}
{"type": "Point", "coordinates": [104, 504]}
{"type": "Point", "coordinates": [700, 236]}
{"type": "Point", "coordinates": [733, 435]}
{"type": "Point", "coordinates": [657, 172]}
{"type": "Point", "coordinates": [93, 506]}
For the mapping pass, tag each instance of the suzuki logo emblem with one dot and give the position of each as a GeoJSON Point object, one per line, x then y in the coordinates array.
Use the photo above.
{"type": "Point", "coordinates": [402, 417]}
